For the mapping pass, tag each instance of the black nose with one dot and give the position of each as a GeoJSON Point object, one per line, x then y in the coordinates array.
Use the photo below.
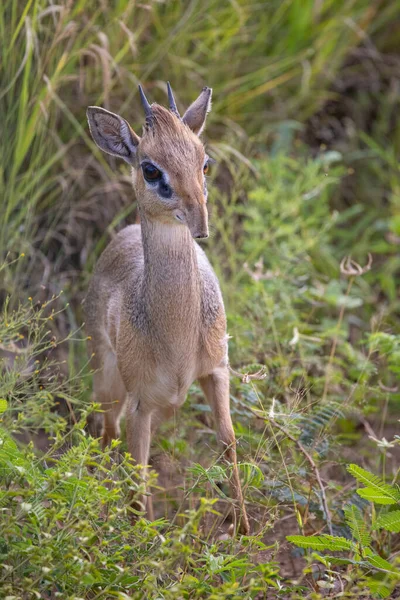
{"type": "Point", "coordinates": [201, 236]}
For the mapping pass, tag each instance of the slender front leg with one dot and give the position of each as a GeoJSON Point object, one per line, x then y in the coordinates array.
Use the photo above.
{"type": "Point", "coordinates": [216, 389]}
{"type": "Point", "coordinates": [138, 437]}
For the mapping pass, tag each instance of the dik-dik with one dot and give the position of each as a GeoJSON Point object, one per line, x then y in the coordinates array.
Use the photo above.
{"type": "Point", "coordinates": [154, 310]}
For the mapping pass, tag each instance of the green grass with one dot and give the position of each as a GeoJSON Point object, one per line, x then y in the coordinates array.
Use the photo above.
{"type": "Point", "coordinates": [289, 201]}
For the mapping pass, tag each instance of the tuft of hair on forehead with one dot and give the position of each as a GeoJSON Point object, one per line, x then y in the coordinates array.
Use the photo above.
{"type": "Point", "coordinates": [163, 117]}
{"type": "Point", "coordinates": [170, 136]}
{"type": "Point", "coordinates": [165, 122]}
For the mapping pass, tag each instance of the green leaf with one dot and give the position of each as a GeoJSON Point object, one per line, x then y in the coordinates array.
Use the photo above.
{"type": "Point", "coordinates": [339, 560]}
{"type": "Point", "coordinates": [322, 542]}
{"type": "Point", "coordinates": [3, 405]}
{"type": "Point", "coordinates": [390, 521]}
{"type": "Point", "coordinates": [358, 527]}
{"type": "Point", "coordinates": [374, 482]}
{"type": "Point", "coordinates": [374, 495]}
{"type": "Point", "coordinates": [251, 475]}
{"type": "Point", "coordinates": [377, 561]}
{"type": "Point", "coordinates": [378, 587]}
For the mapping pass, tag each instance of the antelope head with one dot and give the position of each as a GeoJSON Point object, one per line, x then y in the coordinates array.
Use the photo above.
{"type": "Point", "coordinates": [169, 162]}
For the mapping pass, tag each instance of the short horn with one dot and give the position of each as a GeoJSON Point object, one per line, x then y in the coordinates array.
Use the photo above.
{"type": "Point", "coordinates": [147, 108]}
{"type": "Point", "coordinates": [171, 100]}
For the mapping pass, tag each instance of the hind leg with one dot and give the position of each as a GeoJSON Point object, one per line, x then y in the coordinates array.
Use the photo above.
{"type": "Point", "coordinates": [110, 393]}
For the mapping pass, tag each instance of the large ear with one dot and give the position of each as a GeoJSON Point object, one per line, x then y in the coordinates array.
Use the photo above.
{"type": "Point", "coordinates": [112, 133]}
{"type": "Point", "coordinates": [196, 114]}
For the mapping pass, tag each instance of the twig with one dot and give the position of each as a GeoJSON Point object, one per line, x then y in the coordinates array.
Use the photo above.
{"type": "Point", "coordinates": [351, 269]}
{"type": "Point", "coordinates": [385, 388]}
{"type": "Point", "coordinates": [335, 341]}
{"type": "Point", "coordinates": [314, 467]}
{"type": "Point", "coordinates": [368, 427]}
{"type": "Point", "coordinates": [71, 410]}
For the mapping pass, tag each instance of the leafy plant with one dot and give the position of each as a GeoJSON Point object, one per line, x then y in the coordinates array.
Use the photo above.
{"type": "Point", "coordinates": [360, 545]}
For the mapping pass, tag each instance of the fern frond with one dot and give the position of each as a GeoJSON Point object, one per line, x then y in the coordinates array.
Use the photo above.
{"type": "Point", "coordinates": [39, 511]}
{"type": "Point", "coordinates": [380, 563]}
{"type": "Point", "coordinates": [314, 424]}
{"type": "Point", "coordinates": [378, 588]}
{"type": "Point", "coordinates": [356, 523]}
{"type": "Point", "coordinates": [340, 560]}
{"type": "Point", "coordinates": [373, 481]}
{"type": "Point", "coordinates": [376, 496]}
{"type": "Point", "coordinates": [390, 521]}
{"type": "Point", "coordinates": [322, 542]}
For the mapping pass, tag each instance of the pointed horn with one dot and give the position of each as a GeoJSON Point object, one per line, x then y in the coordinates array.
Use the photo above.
{"type": "Point", "coordinates": [171, 100]}
{"type": "Point", "coordinates": [147, 108]}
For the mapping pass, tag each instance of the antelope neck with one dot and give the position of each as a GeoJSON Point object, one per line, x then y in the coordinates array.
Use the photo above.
{"type": "Point", "coordinates": [170, 261]}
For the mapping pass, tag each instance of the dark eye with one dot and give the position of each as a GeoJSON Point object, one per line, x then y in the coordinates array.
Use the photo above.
{"type": "Point", "coordinates": [151, 173]}
{"type": "Point", "coordinates": [206, 168]}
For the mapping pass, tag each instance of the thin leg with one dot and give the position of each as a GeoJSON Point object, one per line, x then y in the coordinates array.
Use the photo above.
{"type": "Point", "coordinates": [109, 391]}
{"type": "Point", "coordinates": [216, 389]}
{"type": "Point", "coordinates": [138, 437]}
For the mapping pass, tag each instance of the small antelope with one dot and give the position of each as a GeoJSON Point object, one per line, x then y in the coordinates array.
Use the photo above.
{"type": "Point", "coordinates": [154, 310]}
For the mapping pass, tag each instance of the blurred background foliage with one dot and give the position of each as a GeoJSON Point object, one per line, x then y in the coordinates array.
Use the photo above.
{"type": "Point", "coordinates": [306, 135]}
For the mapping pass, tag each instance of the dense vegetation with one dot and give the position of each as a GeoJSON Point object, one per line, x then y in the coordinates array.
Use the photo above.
{"type": "Point", "coordinates": [305, 133]}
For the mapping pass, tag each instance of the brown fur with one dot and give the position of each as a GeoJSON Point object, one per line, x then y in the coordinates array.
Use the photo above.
{"type": "Point", "coordinates": [154, 309]}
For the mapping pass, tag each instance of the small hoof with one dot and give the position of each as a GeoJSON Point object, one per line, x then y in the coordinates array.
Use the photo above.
{"type": "Point", "coordinates": [244, 527]}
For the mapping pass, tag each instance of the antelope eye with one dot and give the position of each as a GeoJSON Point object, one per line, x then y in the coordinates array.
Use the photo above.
{"type": "Point", "coordinates": [206, 168]}
{"type": "Point", "coordinates": [151, 173]}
